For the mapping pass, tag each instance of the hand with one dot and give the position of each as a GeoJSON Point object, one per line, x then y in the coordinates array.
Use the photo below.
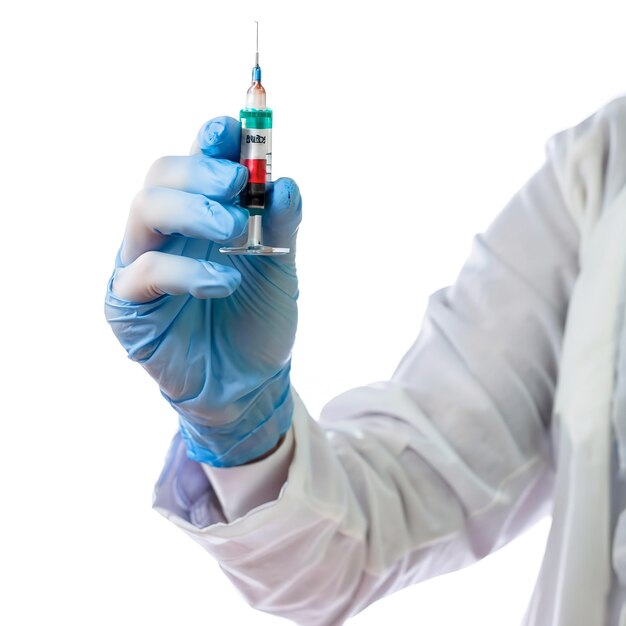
{"type": "Point", "coordinates": [214, 331]}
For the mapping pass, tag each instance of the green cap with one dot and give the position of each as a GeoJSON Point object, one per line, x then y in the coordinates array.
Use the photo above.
{"type": "Point", "coordinates": [256, 118]}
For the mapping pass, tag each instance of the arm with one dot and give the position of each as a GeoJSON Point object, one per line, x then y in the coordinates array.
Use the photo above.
{"type": "Point", "coordinates": [423, 474]}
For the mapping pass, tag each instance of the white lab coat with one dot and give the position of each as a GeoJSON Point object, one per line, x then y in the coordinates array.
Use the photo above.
{"type": "Point", "coordinates": [509, 406]}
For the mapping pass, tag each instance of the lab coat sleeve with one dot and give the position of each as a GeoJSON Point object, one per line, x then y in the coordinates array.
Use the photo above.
{"type": "Point", "coordinates": [405, 479]}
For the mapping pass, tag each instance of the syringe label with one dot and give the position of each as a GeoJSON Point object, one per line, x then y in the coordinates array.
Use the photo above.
{"type": "Point", "coordinates": [255, 143]}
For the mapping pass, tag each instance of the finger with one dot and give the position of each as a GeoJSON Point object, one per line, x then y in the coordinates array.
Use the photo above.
{"type": "Point", "coordinates": [219, 138]}
{"type": "Point", "coordinates": [159, 212]}
{"type": "Point", "coordinates": [154, 274]}
{"type": "Point", "coordinates": [219, 179]}
{"type": "Point", "coordinates": [283, 215]}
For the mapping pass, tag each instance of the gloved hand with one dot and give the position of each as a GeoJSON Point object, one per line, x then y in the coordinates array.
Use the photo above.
{"type": "Point", "coordinates": [214, 331]}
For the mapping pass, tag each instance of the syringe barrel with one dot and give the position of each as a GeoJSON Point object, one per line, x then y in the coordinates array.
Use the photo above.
{"type": "Point", "coordinates": [256, 155]}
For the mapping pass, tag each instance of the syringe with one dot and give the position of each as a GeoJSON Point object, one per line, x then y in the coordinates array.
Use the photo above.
{"type": "Point", "coordinates": [256, 155]}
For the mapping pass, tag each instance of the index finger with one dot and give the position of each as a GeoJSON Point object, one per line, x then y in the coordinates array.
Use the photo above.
{"type": "Point", "coordinates": [219, 137]}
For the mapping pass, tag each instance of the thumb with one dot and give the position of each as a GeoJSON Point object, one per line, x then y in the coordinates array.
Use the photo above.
{"type": "Point", "coordinates": [220, 138]}
{"type": "Point", "coordinates": [283, 214]}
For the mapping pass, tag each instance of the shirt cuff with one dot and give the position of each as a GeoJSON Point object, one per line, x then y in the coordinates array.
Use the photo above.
{"type": "Point", "coordinates": [242, 488]}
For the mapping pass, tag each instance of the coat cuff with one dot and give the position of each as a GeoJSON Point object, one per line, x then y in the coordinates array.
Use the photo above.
{"type": "Point", "coordinates": [242, 488]}
{"type": "Point", "coordinates": [185, 496]}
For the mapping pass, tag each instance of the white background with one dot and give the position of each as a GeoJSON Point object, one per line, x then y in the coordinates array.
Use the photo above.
{"type": "Point", "coordinates": [408, 126]}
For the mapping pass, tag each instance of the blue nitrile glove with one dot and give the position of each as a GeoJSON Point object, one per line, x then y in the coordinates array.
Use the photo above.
{"type": "Point", "coordinates": [214, 331]}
